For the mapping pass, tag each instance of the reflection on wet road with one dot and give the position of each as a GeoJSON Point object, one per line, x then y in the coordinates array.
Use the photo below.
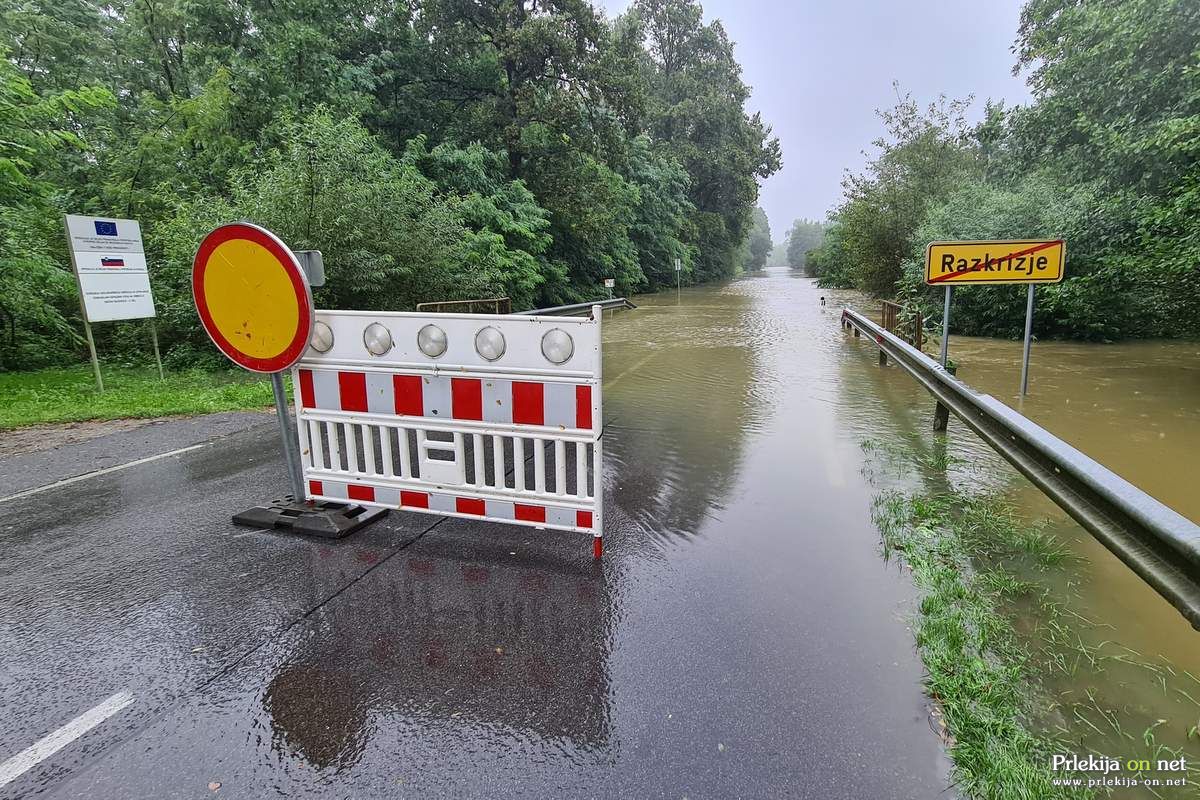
{"type": "Point", "coordinates": [741, 638]}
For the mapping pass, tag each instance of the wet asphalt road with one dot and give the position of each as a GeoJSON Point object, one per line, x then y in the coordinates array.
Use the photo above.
{"type": "Point", "coordinates": [741, 638]}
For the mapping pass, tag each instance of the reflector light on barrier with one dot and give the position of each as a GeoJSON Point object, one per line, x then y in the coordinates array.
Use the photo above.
{"type": "Point", "coordinates": [469, 415]}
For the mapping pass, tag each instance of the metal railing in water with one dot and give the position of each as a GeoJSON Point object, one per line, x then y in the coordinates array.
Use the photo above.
{"type": "Point", "coordinates": [1160, 545]}
{"type": "Point", "coordinates": [581, 308]}
{"type": "Point", "coordinates": [494, 305]}
{"type": "Point", "coordinates": [503, 305]}
{"type": "Point", "coordinates": [911, 330]}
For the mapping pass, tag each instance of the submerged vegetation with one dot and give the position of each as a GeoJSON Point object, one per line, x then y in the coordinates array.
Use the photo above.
{"type": "Point", "coordinates": [977, 671]}
{"type": "Point", "coordinates": [1017, 675]}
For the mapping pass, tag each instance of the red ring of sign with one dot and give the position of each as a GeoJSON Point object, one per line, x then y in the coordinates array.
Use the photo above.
{"type": "Point", "coordinates": [263, 237]}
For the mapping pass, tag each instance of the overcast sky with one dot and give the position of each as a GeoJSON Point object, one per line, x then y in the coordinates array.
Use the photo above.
{"type": "Point", "coordinates": [819, 69]}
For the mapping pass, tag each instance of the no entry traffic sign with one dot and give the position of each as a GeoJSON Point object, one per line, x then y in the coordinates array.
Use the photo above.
{"type": "Point", "coordinates": [253, 298]}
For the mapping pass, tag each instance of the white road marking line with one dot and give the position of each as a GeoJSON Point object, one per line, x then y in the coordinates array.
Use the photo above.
{"type": "Point", "coordinates": [614, 381]}
{"type": "Point", "coordinates": [97, 473]}
{"type": "Point", "coordinates": [50, 744]}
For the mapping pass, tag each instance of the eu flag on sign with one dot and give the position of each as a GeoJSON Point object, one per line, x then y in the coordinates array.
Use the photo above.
{"type": "Point", "coordinates": [106, 228]}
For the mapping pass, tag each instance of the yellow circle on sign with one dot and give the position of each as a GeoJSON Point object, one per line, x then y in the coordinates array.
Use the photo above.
{"type": "Point", "coordinates": [251, 298]}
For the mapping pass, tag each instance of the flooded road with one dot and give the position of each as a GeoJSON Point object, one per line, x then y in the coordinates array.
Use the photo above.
{"type": "Point", "coordinates": [742, 637]}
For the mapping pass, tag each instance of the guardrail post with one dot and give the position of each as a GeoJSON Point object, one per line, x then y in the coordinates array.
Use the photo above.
{"type": "Point", "coordinates": [941, 417]}
{"type": "Point", "coordinates": [941, 414]}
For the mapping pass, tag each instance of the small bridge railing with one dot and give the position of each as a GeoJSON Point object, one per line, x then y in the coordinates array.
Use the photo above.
{"type": "Point", "coordinates": [911, 330]}
{"type": "Point", "coordinates": [577, 309]}
{"type": "Point", "coordinates": [487, 305]}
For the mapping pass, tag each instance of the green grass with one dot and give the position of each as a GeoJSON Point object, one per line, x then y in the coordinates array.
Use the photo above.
{"type": "Point", "coordinates": [977, 671]}
{"type": "Point", "coordinates": [1015, 671]}
{"type": "Point", "coordinates": [70, 395]}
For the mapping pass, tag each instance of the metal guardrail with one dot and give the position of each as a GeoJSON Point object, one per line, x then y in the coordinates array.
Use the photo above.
{"type": "Point", "coordinates": [1158, 544]}
{"type": "Point", "coordinates": [581, 308]}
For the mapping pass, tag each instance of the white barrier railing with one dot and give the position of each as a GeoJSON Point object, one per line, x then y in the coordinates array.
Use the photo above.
{"type": "Point", "coordinates": [468, 415]}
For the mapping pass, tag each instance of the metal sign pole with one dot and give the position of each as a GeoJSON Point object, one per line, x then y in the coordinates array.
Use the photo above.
{"type": "Point", "coordinates": [289, 444]}
{"type": "Point", "coordinates": [946, 325]}
{"type": "Point", "coordinates": [1028, 339]}
{"type": "Point", "coordinates": [157, 354]}
{"type": "Point", "coordinates": [87, 329]}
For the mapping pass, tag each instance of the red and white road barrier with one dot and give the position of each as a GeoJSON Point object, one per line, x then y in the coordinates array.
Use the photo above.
{"type": "Point", "coordinates": [468, 415]}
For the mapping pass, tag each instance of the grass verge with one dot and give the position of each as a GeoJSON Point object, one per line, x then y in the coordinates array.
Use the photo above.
{"type": "Point", "coordinates": [70, 395]}
{"type": "Point", "coordinates": [1017, 672]}
{"type": "Point", "coordinates": [978, 672]}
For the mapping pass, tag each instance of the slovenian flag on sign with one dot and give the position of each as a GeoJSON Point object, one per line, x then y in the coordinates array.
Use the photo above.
{"type": "Point", "coordinates": [112, 262]}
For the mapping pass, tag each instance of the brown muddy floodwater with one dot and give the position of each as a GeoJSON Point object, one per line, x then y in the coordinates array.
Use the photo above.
{"type": "Point", "coordinates": [1133, 682]}
{"type": "Point", "coordinates": [736, 417]}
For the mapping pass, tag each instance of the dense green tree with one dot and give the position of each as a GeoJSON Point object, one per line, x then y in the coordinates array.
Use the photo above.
{"type": "Point", "coordinates": [522, 73]}
{"type": "Point", "coordinates": [507, 228]}
{"type": "Point", "coordinates": [661, 226]}
{"type": "Point", "coordinates": [1116, 118]}
{"type": "Point", "coordinates": [696, 109]}
{"type": "Point", "coordinates": [1116, 89]}
{"type": "Point", "coordinates": [388, 239]}
{"type": "Point", "coordinates": [924, 155]}
{"type": "Point", "coordinates": [1107, 156]}
{"type": "Point", "coordinates": [805, 235]}
{"type": "Point", "coordinates": [832, 263]}
{"type": "Point", "coordinates": [37, 290]}
{"type": "Point", "coordinates": [431, 149]}
{"type": "Point", "coordinates": [757, 247]}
